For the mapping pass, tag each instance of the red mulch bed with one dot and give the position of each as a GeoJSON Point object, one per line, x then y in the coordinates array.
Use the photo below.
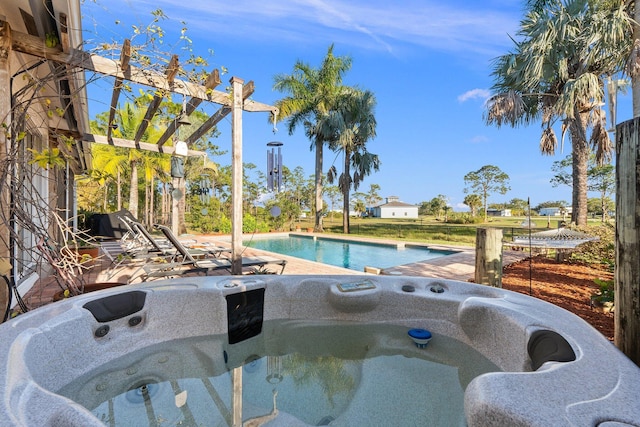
{"type": "Point", "coordinates": [565, 284]}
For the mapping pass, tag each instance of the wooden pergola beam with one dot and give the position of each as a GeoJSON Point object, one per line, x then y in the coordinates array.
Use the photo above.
{"type": "Point", "coordinates": [224, 111]}
{"type": "Point", "coordinates": [32, 45]}
{"type": "Point", "coordinates": [125, 56]}
{"type": "Point", "coordinates": [213, 80]}
{"type": "Point", "coordinates": [127, 143]}
{"type": "Point", "coordinates": [172, 70]}
{"type": "Point", "coordinates": [78, 107]}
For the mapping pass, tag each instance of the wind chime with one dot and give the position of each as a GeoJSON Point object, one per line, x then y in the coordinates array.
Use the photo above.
{"type": "Point", "coordinates": [274, 166]}
{"type": "Point", "coordinates": [202, 188]}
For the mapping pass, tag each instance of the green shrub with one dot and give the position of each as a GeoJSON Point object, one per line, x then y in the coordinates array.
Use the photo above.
{"type": "Point", "coordinates": [601, 251]}
{"type": "Point", "coordinates": [251, 224]}
{"type": "Point", "coordinates": [463, 218]}
{"type": "Point", "coordinates": [223, 225]}
{"type": "Point", "coordinates": [606, 292]}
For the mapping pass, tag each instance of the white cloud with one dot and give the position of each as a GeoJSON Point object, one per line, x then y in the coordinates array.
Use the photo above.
{"type": "Point", "coordinates": [474, 94]}
{"type": "Point", "coordinates": [461, 207]}
{"type": "Point", "coordinates": [463, 28]}
{"type": "Point", "coordinates": [478, 139]}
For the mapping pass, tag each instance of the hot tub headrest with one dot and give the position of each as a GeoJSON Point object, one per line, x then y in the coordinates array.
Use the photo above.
{"type": "Point", "coordinates": [116, 306]}
{"type": "Point", "coordinates": [545, 346]}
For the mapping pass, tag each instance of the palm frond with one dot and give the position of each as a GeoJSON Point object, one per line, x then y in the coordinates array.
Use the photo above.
{"type": "Point", "coordinates": [602, 144]}
{"type": "Point", "coordinates": [548, 141]}
{"type": "Point", "coordinates": [504, 108]}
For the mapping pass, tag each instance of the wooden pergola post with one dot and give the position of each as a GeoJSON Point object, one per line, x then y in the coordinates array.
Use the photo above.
{"type": "Point", "coordinates": [236, 176]}
{"type": "Point", "coordinates": [5, 117]}
{"type": "Point", "coordinates": [489, 257]}
{"type": "Point", "coordinates": [627, 268]}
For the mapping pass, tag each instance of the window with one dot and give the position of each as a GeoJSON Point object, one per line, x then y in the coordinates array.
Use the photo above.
{"type": "Point", "coordinates": [32, 189]}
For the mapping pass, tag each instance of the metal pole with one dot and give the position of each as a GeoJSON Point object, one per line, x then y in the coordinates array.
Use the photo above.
{"type": "Point", "coordinates": [530, 252]}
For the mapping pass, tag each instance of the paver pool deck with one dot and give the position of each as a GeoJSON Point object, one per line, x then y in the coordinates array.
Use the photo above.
{"type": "Point", "coordinates": [459, 266]}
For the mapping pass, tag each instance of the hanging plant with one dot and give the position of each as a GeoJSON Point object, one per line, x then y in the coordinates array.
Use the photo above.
{"type": "Point", "coordinates": [49, 157]}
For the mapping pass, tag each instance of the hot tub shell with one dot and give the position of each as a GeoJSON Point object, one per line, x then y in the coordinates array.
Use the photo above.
{"type": "Point", "coordinates": [44, 350]}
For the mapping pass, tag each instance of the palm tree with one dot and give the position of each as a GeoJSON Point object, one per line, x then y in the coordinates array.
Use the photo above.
{"type": "Point", "coordinates": [128, 119]}
{"type": "Point", "coordinates": [355, 124]}
{"type": "Point", "coordinates": [154, 165]}
{"type": "Point", "coordinates": [312, 95]}
{"type": "Point", "coordinates": [557, 73]}
{"type": "Point", "coordinates": [474, 202]}
{"type": "Point", "coordinates": [109, 164]}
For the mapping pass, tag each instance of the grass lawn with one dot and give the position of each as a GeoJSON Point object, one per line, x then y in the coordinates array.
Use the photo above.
{"type": "Point", "coordinates": [429, 229]}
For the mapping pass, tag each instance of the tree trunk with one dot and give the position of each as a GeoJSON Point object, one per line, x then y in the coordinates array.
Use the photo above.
{"type": "Point", "coordinates": [318, 225]}
{"type": "Point", "coordinates": [489, 257]}
{"type": "Point", "coordinates": [105, 201]}
{"type": "Point", "coordinates": [133, 191]}
{"type": "Point", "coordinates": [580, 155]}
{"type": "Point", "coordinates": [119, 190]}
{"type": "Point", "coordinates": [151, 202]}
{"type": "Point", "coordinates": [627, 267]}
{"type": "Point", "coordinates": [146, 220]}
{"type": "Point", "coordinates": [346, 185]}
{"type": "Point", "coordinates": [164, 208]}
{"type": "Point", "coordinates": [484, 204]}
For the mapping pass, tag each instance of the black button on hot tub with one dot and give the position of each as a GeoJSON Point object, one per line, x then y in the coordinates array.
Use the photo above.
{"type": "Point", "coordinates": [102, 331]}
{"type": "Point", "coordinates": [135, 320]}
{"type": "Point", "coordinates": [408, 288]}
{"type": "Point", "coordinates": [437, 288]}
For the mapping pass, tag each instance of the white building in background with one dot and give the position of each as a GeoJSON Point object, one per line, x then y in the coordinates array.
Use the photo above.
{"type": "Point", "coordinates": [555, 211]}
{"type": "Point", "coordinates": [394, 208]}
{"type": "Point", "coordinates": [498, 212]}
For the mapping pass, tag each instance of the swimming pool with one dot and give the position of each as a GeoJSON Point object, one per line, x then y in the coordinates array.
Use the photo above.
{"type": "Point", "coordinates": [347, 254]}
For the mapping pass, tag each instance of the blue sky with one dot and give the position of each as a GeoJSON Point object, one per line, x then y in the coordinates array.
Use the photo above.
{"type": "Point", "coordinates": [427, 62]}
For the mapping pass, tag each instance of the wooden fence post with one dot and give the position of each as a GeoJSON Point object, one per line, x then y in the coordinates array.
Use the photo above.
{"type": "Point", "coordinates": [489, 257]}
{"type": "Point", "coordinates": [627, 268]}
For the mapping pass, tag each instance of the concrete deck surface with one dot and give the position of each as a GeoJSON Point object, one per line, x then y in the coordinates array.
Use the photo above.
{"type": "Point", "coordinates": [459, 266]}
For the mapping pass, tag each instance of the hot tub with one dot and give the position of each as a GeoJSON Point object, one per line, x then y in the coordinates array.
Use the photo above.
{"type": "Point", "coordinates": [232, 336]}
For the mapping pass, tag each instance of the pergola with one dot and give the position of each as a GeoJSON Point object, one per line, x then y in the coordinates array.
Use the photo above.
{"type": "Point", "coordinates": [77, 61]}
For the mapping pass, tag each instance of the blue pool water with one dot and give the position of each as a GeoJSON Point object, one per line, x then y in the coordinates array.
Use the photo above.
{"type": "Point", "coordinates": [347, 254]}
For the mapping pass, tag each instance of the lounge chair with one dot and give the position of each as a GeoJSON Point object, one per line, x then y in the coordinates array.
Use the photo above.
{"type": "Point", "coordinates": [185, 262]}
{"type": "Point", "coordinates": [166, 247]}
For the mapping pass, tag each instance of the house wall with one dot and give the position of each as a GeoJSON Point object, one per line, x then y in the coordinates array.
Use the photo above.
{"type": "Point", "coordinates": [34, 190]}
{"type": "Point", "coordinates": [398, 212]}
{"type": "Point", "coordinates": [498, 212]}
{"type": "Point", "coordinates": [549, 212]}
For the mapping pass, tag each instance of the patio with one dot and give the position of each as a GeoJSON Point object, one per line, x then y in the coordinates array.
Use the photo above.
{"type": "Point", "coordinates": [459, 266]}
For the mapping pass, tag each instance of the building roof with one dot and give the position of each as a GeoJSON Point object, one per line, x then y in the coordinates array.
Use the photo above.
{"type": "Point", "coordinates": [396, 205]}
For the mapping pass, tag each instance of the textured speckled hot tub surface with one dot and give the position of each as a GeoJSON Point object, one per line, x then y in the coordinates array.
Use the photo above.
{"type": "Point", "coordinates": [581, 379]}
